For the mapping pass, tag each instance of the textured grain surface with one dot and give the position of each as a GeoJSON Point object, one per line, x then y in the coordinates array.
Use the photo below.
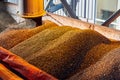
{"type": "Point", "coordinates": [12, 38]}
{"type": "Point", "coordinates": [63, 56]}
{"type": "Point", "coordinates": [107, 68]}
{"type": "Point", "coordinates": [97, 53]}
{"type": "Point", "coordinates": [39, 41]}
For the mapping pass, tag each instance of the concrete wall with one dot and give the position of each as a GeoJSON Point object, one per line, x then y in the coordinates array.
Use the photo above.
{"type": "Point", "coordinates": [12, 9]}
{"type": "Point", "coordinates": [9, 16]}
{"type": "Point", "coordinates": [5, 17]}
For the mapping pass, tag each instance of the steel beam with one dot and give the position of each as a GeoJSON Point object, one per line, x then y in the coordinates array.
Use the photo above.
{"type": "Point", "coordinates": [111, 18]}
{"type": "Point", "coordinates": [69, 9]}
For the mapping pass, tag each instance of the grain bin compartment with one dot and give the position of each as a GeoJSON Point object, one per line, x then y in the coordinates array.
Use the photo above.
{"type": "Point", "coordinates": [60, 20]}
{"type": "Point", "coordinates": [114, 34]}
{"type": "Point", "coordinates": [96, 62]}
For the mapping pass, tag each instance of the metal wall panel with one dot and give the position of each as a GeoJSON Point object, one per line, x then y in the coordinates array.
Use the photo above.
{"type": "Point", "coordinates": [84, 9]}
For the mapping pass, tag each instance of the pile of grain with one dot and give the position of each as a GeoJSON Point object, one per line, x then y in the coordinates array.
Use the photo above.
{"type": "Point", "coordinates": [63, 56]}
{"type": "Point", "coordinates": [107, 68]}
{"type": "Point", "coordinates": [94, 56]}
{"type": "Point", "coordinates": [38, 41]}
{"type": "Point", "coordinates": [12, 38]}
{"type": "Point", "coordinates": [97, 53]}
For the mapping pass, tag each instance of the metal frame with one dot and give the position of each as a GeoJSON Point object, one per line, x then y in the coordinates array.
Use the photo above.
{"type": "Point", "coordinates": [51, 7]}
{"type": "Point", "coordinates": [84, 10]}
{"type": "Point", "coordinates": [111, 18]}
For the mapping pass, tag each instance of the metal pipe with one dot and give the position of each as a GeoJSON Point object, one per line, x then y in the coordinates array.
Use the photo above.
{"type": "Point", "coordinates": [32, 9]}
{"type": "Point", "coordinates": [69, 9]}
{"type": "Point", "coordinates": [111, 18]}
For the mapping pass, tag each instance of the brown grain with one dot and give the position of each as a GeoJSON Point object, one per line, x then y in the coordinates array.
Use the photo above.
{"type": "Point", "coordinates": [12, 38]}
{"type": "Point", "coordinates": [107, 68]}
{"type": "Point", "coordinates": [63, 56]}
{"type": "Point", "coordinates": [38, 41]}
{"type": "Point", "coordinates": [97, 53]}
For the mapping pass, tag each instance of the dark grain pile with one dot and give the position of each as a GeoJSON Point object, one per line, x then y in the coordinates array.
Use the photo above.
{"type": "Point", "coordinates": [12, 38]}
{"type": "Point", "coordinates": [97, 52]}
{"type": "Point", "coordinates": [107, 68]}
{"type": "Point", "coordinates": [38, 41]}
{"type": "Point", "coordinates": [66, 52]}
{"type": "Point", "coordinates": [63, 56]}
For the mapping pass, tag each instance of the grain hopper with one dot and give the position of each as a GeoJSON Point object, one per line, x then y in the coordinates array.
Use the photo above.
{"type": "Point", "coordinates": [61, 48]}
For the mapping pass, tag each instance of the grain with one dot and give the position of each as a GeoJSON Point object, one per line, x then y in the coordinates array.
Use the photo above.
{"type": "Point", "coordinates": [38, 41]}
{"type": "Point", "coordinates": [63, 56]}
{"type": "Point", "coordinates": [97, 53]}
{"type": "Point", "coordinates": [107, 68]}
{"type": "Point", "coordinates": [12, 38]}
